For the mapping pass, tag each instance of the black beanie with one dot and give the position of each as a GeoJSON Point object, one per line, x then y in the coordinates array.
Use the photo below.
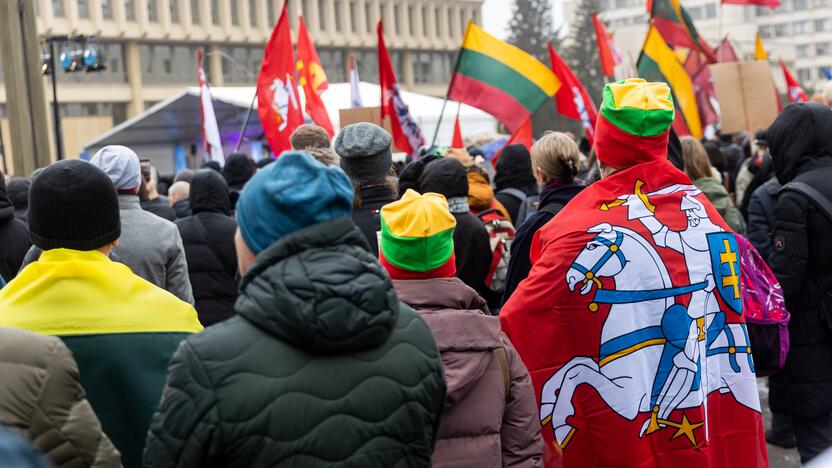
{"type": "Point", "coordinates": [73, 205]}
{"type": "Point", "coordinates": [445, 176]}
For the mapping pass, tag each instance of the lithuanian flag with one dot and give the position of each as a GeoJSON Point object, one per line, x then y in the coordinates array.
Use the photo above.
{"type": "Point", "coordinates": [658, 62]}
{"type": "Point", "coordinates": [676, 27]}
{"type": "Point", "coordinates": [500, 79]}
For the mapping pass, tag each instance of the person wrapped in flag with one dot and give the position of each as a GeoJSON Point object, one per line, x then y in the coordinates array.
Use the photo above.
{"type": "Point", "coordinates": [630, 321]}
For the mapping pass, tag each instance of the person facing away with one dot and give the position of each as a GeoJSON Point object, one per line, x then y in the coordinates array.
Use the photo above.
{"type": "Point", "coordinates": [801, 252]}
{"type": "Point", "coordinates": [237, 171]}
{"type": "Point", "coordinates": [208, 237]}
{"type": "Point", "coordinates": [366, 157]}
{"type": "Point", "coordinates": [121, 328]}
{"type": "Point", "coordinates": [630, 322]}
{"type": "Point", "coordinates": [14, 237]}
{"type": "Point", "coordinates": [761, 208]}
{"type": "Point", "coordinates": [698, 168]}
{"type": "Point", "coordinates": [309, 136]}
{"type": "Point", "coordinates": [472, 245]}
{"type": "Point", "coordinates": [490, 416]}
{"type": "Point", "coordinates": [179, 199]}
{"type": "Point", "coordinates": [515, 180]}
{"type": "Point", "coordinates": [41, 397]}
{"type": "Point", "coordinates": [18, 191]}
{"type": "Point", "coordinates": [321, 364]}
{"type": "Point", "coordinates": [149, 196]}
{"type": "Point", "coordinates": [556, 162]}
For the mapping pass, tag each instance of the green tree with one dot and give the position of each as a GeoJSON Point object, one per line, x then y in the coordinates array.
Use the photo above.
{"type": "Point", "coordinates": [531, 28]}
{"type": "Point", "coordinates": [581, 50]}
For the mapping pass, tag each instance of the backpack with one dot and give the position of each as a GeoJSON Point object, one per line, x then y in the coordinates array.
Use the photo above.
{"type": "Point", "coordinates": [528, 204]}
{"type": "Point", "coordinates": [501, 234]}
{"type": "Point", "coordinates": [764, 309]}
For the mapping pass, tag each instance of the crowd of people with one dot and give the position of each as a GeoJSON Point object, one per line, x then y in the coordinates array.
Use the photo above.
{"type": "Point", "coordinates": [332, 308]}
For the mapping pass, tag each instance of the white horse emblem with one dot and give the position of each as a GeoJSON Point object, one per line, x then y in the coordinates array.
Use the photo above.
{"type": "Point", "coordinates": [656, 356]}
{"type": "Point", "coordinates": [283, 96]}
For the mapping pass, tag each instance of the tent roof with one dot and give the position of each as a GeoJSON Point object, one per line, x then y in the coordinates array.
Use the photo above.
{"type": "Point", "coordinates": [177, 119]}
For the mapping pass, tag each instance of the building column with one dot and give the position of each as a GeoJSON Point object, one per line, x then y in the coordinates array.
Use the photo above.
{"type": "Point", "coordinates": [133, 70]}
{"type": "Point", "coordinates": [215, 65]}
{"type": "Point", "coordinates": [407, 70]}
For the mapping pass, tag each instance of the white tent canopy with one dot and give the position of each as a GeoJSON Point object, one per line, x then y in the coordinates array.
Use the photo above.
{"type": "Point", "coordinates": [177, 120]}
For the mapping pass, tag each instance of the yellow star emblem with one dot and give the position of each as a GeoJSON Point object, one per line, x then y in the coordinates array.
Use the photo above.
{"type": "Point", "coordinates": [685, 428]}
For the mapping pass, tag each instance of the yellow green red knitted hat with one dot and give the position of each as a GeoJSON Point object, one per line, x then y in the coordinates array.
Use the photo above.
{"type": "Point", "coordinates": [633, 125]}
{"type": "Point", "coordinates": [417, 237]}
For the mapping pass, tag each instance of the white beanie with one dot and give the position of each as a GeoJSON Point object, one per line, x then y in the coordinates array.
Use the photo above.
{"type": "Point", "coordinates": [121, 165]}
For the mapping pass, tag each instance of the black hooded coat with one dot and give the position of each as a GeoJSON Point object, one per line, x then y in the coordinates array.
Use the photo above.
{"type": "Point", "coordinates": [801, 149]}
{"type": "Point", "coordinates": [208, 237]}
{"type": "Point", "coordinates": [18, 192]}
{"type": "Point", "coordinates": [514, 171]}
{"type": "Point", "coordinates": [14, 237]}
{"type": "Point", "coordinates": [238, 170]}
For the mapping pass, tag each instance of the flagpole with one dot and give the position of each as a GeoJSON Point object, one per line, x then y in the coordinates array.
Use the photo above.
{"type": "Point", "coordinates": [439, 122]}
{"type": "Point", "coordinates": [721, 17]}
{"type": "Point", "coordinates": [245, 122]}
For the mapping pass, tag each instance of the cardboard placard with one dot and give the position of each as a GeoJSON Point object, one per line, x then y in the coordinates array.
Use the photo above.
{"type": "Point", "coordinates": [363, 114]}
{"type": "Point", "coordinates": [746, 94]}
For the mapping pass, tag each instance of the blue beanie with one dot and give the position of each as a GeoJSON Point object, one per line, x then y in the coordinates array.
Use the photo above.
{"type": "Point", "coordinates": [293, 193]}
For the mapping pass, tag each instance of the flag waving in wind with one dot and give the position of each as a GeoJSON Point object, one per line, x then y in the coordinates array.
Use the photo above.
{"type": "Point", "coordinates": [278, 103]}
{"type": "Point", "coordinates": [759, 49]}
{"type": "Point", "coordinates": [407, 135]}
{"type": "Point", "coordinates": [355, 85]}
{"type": "Point", "coordinates": [793, 88]}
{"type": "Point", "coordinates": [210, 130]}
{"type": "Point", "coordinates": [572, 99]}
{"type": "Point", "coordinates": [312, 79]}
{"type": "Point", "coordinates": [609, 59]}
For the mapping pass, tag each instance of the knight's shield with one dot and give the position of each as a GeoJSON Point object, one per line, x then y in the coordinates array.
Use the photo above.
{"type": "Point", "coordinates": [725, 260]}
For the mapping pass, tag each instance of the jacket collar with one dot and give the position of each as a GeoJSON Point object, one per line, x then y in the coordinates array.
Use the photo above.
{"type": "Point", "coordinates": [128, 201]}
{"type": "Point", "coordinates": [440, 293]}
{"type": "Point", "coordinates": [69, 255]}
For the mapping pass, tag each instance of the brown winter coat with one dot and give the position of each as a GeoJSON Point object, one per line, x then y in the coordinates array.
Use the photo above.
{"type": "Point", "coordinates": [41, 397]}
{"type": "Point", "coordinates": [481, 426]}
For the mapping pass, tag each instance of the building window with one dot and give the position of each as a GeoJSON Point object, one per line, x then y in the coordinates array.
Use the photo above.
{"type": "Point", "coordinates": [174, 11]}
{"type": "Point", "coordinates": [801, 51]}
{"type": "Point", "coordinates": [476, 17]}
{"type": "Point", "coordinates": [195, 12]}
{"type": "Point", "coordinates": [367, 63]}
{"type": "Point", "coordinates": [338, 15]}
{"type": "Point", "coordinates": [710, 10]}
{"type": "Point", "coordinates": [166, 63]}
{"type": "Point", "coordinates": [765, 31]}
{"type": "Point", "coordinates": [106, 9]}
{"type": "Point", "coordinates": [451, 32]}
{"type": "Point", "coordinates": [800, 5]}
{"type": "Point", "coordinates": [58, 8]}
{"type": "Point", "coordinates": [425, 21]}
{"type": "Point", "coordinates": [272, 13]}
{"type": "Point", "coordinates": [235, 13]}
{"type": "Point", "coordinates": [695, 13]}
{"type": "Point", "coordinates": [252, 13]}
{"type": "Point", "coordinates": [322, 16]}
{"type": "Point", "coordinates": [804, 74]}
{"type": "Point", "coordinates": [781, 30]}
{"type": "Point", "coordinates": [800, 27]}
{"type": "Point", "coordinates": [821, 25]}
{"type": "Point", "coordinates": [152, 11]}
{"type": "Point", "coordinates": [130, 10]}
{"type": "Point", "coordinates": [83, 9]}
{"type": "Point", "coordinates": [334, 63]}
{"type": "Point", "coordinates": [353, 14]}
{"type": "Point", "coordinates": [438, 21]}
{"type": "Point", "coordinates": [822, 48]}
{"type": "Point", "coordinates": [244, 67]}
{"type": "Point", "coordinates": [368, 14]}
{"type": "Point", "coordinates": [215, 12]}
{"type": "Point", "coordinates": [411, 21]}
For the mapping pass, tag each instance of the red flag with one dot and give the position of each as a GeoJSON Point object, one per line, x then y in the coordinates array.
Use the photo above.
{"type": "Point", "coordinates": [725, 52]}
{"type": "Point", "coordinates": [278, 103]}
{"type": "Point", "coordinates": [572, 99]}
{"type": "Point", "coordinates": [407, 135]}
{"type": "Point", "coordinates": [793, 88]}
{"type": "Point", "coordinates": [604, 49]}
{"type": "Point", "coordinates": [457, 141]}
{"type": "Point", "coordinates": [312, 78]}
{"type": "Point", "coordinates": [773, 4]}
{"type": "Point", "coordinates": [523, 136]}
{"type": "Point", "coordinates": [632, 336]}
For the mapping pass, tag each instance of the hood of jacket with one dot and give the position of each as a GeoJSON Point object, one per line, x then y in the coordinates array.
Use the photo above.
{"type": "Point", "coordinates": [6, 207]}
{"type": "Point", "coordinates": [322, 290]}
{"type": "Point", "coordinates": [799, 140]}
{"type": "Point", "coordinates": [514, 169]}
{"type": "Point", "coordinates": [209, 192]}
{"type": "Point", "coordinates": [445, 176]}
{"type": "Point", "coordinates": [480, 193]}
{"type": "Point", "coordinates": [238, 170]}
{"type": "Point", "coordinates": [18, 192]}
{"type": "Point", "coordinates": [465, 331]}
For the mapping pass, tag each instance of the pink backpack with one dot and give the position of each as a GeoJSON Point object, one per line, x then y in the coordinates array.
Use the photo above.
{"type": "Point", "coordinates": [764, 309]}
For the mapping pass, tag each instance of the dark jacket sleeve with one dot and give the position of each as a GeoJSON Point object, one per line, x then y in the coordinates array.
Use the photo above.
{"type": "Point", "coordinates": [790, 244]}
{"type": "Point", "coordinates": [520, 432]}
{"type": "Point", "coordinates": [65, 426]}
{"type": "Point", "coordinates": [183, 432]}
{"type": "Point", "coordinates": [177, 282]}
{"type": "Point", "coordinates": [759, 226]}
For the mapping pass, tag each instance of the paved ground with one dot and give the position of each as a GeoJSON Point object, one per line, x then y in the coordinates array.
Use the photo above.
{"type": "Point", "coordinates": [777, 457]}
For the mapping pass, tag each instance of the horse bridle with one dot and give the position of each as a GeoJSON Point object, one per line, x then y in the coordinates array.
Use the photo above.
{"type": "Point", "coordinates": [613, 249]}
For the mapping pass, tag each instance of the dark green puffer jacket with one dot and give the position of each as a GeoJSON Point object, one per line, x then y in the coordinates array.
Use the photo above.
{"type": "Point", "coordinates": [323, 367]}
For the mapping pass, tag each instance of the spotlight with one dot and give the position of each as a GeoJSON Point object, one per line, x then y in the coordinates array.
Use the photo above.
{"type": "Point", "coordinates": [72, 60]}
{"type": "Point", "coordinates": [93, 59]}
{"type": "Point", "coordinates": [45, 64]}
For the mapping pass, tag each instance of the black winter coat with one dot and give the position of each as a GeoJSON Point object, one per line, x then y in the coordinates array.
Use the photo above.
{"type": "Point", "coordinates": [182, 208]}
{"type": "Point", "coordinates": [367, 215]}
{"type": "Point", "coordinates": [556, 195]}
{"type": "Point", "coordinates": [761, 208]}
{"type": "Point", "coordinates": [14, 237]}
{"type": "Point", "coordinates": [472, 249]}
{"type": "Point", "coordinates": [208, 237]}
{"type": "Point", "coordinates": [801, 257]}
{"type": "Point", "coordinates": [160, 207]}
{"type": "Point", "coordinates": [322, 366]}
{"type": "Point", "coordinates": [514, 170]}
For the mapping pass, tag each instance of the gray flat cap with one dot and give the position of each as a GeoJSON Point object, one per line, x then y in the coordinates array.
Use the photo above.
{"type": "Point", "coordinates": [365, 152]}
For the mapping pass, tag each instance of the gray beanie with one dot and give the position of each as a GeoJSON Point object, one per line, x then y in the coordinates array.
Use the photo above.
{"type": "Point", "coordinates": [365, 152]}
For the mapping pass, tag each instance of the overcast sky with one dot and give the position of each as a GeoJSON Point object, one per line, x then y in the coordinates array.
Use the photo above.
{"type": "Point", "coordinates": [497, 13]}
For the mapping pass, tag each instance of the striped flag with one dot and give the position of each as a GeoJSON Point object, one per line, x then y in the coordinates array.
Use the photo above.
{"type": "Point", "coordinates": [674, 24]}
{"type": "Point", "coordinates": [658, 62]}
{"type": "Point", "coordinates": [210, 130]}
{"type": "Point", "coordinates": [500, 79]}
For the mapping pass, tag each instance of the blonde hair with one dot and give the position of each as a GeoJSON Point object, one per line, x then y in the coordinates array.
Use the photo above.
{"type": "Point", "coordinates": [557, 156]}
{"type": "Point", "coordinates": [697, 164]}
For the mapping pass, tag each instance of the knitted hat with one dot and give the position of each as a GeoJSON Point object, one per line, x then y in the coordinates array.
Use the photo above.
{"type": "Point", "coordinates": [73, 205]}
{"type": "Point", "coordinates": [417, 237]}
{"type": "Point", "coordinates": [121, 165]}
{"type": "Point", "coordinates": [365, 152]}
{"type": "Point", "coordinates": [445, 176]}
{"type": "Point", "coordinates": [293, 193]}
{"type": "Point", "coordinates": [634, 122]}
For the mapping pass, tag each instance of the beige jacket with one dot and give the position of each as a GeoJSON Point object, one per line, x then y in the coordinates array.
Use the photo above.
{"type": "Point", "coordinates": [41, 397]}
